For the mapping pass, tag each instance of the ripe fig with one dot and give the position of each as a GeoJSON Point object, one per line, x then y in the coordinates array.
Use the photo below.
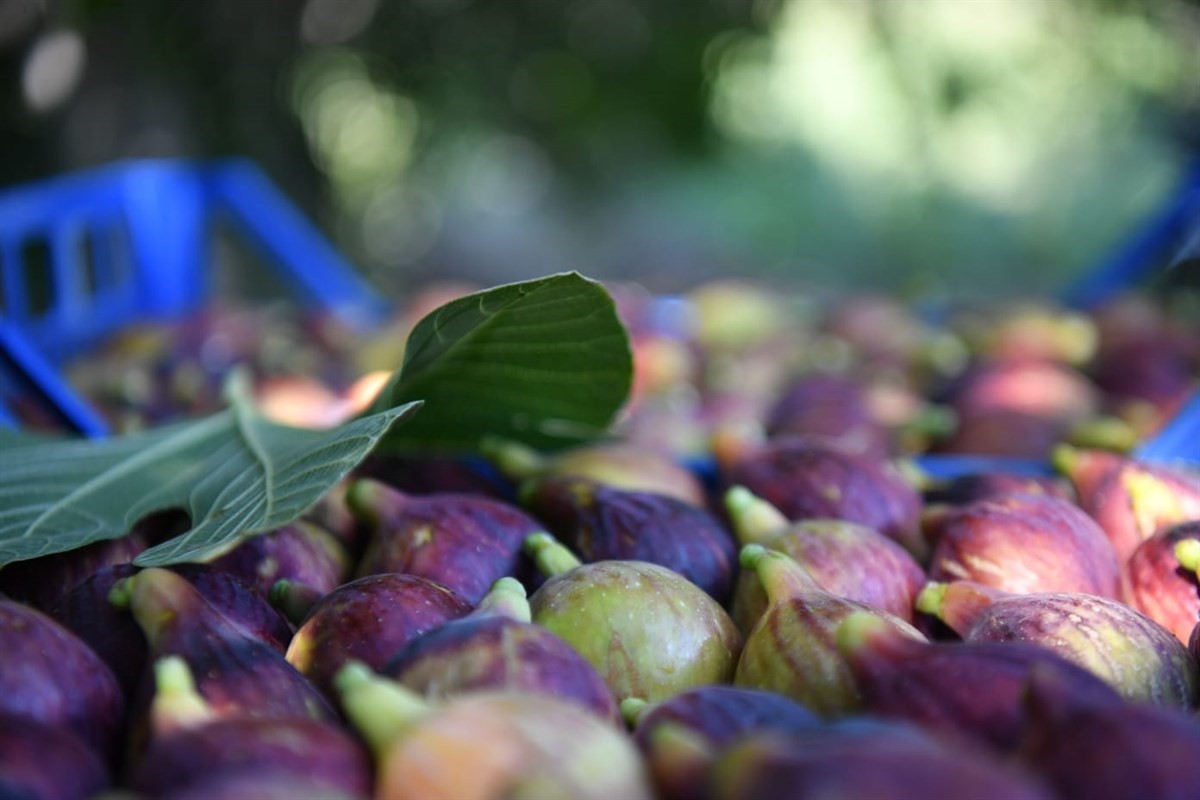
{"type": "Point", "coordinates": [42, 582]}
{"type": "Point", "coordinates": [369, 619]}
{"type": "Point", "coordinates": [649, 631]}
{"type": "Point", "coordinates": [604, 523]}
{"type": "Point", "coordinates": [832, 407]}
{"type": "Point", "coordinates": [792, 648]}
{"type": "Point", "coordinates": [50, 676]}
{"type": "Point", "coordinates": [805, 479]}
{"type": "Point", "coordinates": [264, 786]}
{"type": "Point", "coordinates": [488, 745]}
{"type": "Point", "coordinates": [497, 646]}
{"type": "Point", "coordinates": [966, 690]}
{"type": "Point", "coordinates": [301, 552]}
{"type": "Point", "coordinates": [1022, 543]}
{"type": "Point", "coordinates": [1130, 499]}
{"type": "Point", "coordinates": [47, 762]}
{"type": "Point", "coordinates": [844, 558]}
{"type": "Point", "coordinates": [1160, 578]}
{"type": "Point", "coordinates": [1141, 659]}
{"type": "Point", "coordinates": [965, 489]}
{"type": "Point", "coordinates": [1036, 388]}
{"type": "Point", "coordinates": [462, 541]}
{"type": "Point", "coordinates": [1003, 432]}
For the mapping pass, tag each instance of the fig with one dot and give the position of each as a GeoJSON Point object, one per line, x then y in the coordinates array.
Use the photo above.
{"type": "Point", "coordinates": [965, 690]}
{"type": "Point", "coordinates": [301, 552]}
{"type": "Point", "coordinates": [193, 745]}
{"type": "Point", "coordinates": [497, 646]}
{"type": "Point", "coordinates": [485, 745]}
{"type": "Point", "coordinates": [39, 761]}
{"type": "Point", "coordinates": [844, 558]}
{"type": "Point", "coordinates": [433, 473]}
{"type": "Point", "coordinates": [792, 648]}
{"type": "Point", "coordinates": [1094, 750]}
{"type": "Point", "coordinates": [805, 479]}
{"type": "Point", "coordinates": [42, 582]}
{"type": "Point", "coordinates": [1140, 658]}
{"type": "Point", "coordinates": [462, 541]}
{"type": "Point", "coordinates": [369, 619]}
{"type": "Point", "coordinates": [56, 679]}
{"type": "Point", "coordinates": [1022, 543]}
{"type": "Point", "coordinates": [1035, 388]}
{"type": "Point", "coordinates": [1131, 499]}
{"type": "Point", "coordinates": [649, 631]}
{"type": "Point", "coordinates": [618, 464]}
{"type": "Point", "coordinates": [603, 523]}
{"type": "Point", "coordinates": [1160, 578]}
{"type": "Point", "coordinates": [962, 490]}
{"type": "Point", "coordinates": [831, 407]}
{"type": "Point", "coordinates": [265, 786]}
{"type": "Point", "coordinates": [1003, 432]}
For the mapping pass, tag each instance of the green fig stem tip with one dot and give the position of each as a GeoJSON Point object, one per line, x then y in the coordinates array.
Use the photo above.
{"type": "Point", "coordinates": [1187, 553]}
{"type": "Point", "coordinates": [856, 630]}
{"type": "Point", "coordinates": [177, 702]}
{"type": "Point", "coordinates": [379, 708]}
{"type": "Point", "coordinates": [1064, 457]}
{"type": "Point", "coordinates": [121, 593]}
{"type": "Point", "coordinates": [513, 459]}
{"type": "Point", "coordinates": [750, 556]}
{"type": "Point", "coordinates": [360, 498]}
{"type": "Point", "coordinates": [755, 520]}
{"type": "Point", "coordinates": [632, 710]}
{"type": "Point", "coordinates": [550, 555]}
{"type": "Point", "coordinates": [508, 598]}
{"type": "Point", "coordinates": [931, 599]}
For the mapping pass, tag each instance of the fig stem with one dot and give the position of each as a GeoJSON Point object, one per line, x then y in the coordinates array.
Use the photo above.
{"type": "Point", "coordinates": [1187, 553]}
{"type": "Point", "coordinates": [293, 599]}
{"type": "Point", "coordinates": [381, 709]}
{"type": "Point", "coordinates": [633, 709]}
{"type": "Point", "coordinates": [513, 459]}
{"type": "Point", "coordinates": [931, 599]}
{"type": "Point", "coordinates": [781, 576]}
{"type": "Point", "coordinates": [1064, 458]}
{"type": "Point", "coordinates": [177, 703]}
{"type": "Point", "coordinates": [755, 520]}
{"type": "Point", "coordinates": [550, 555]}
{"type": "Point", "coordinates": [507, 598]}
{"type": "Point", "coordinates": [120, 593]}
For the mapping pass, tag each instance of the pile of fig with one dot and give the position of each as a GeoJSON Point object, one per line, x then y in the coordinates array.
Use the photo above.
{"type": "Point", "coordinates": [749, 590]}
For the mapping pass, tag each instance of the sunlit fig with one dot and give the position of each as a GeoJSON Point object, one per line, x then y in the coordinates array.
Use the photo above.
{"type": "Point", "coordinates": [649, 631]}
{"type": "Point", "coordinates": [844, 558]}
{"type": "Point", "coordinates": [1140, 658]}
{"type": "Point", "coordinates": [370, 619]}
{"type": "Point", "coordinates": [1160, 578]}
{"type": "Point", "coordinates": [792, 648]}
{"type": "Point", "coordinates": [488, 745]}
{"type": "Point", "coordinates": [301, 552]}
{"type": "Point", "coordinates": [48, 674]}
{"type": "Point", "coordinates": [462, 541]}
{"type": "Point", "coordinates": [39, 761]}
{"type": "Point", "coordinates": [603, 523]}
{"type": "Point", "coordinates": [495, 647]}
{"type": "Point", "coordinates": [1022, 543]}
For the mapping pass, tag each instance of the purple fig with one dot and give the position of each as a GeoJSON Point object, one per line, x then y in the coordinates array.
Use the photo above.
{"type": "Point", "coordinates": [431, 473]}
{"type": "Point", "coordinates": [966, 690]}
{"type": "Point", "coordinates": [603, 523]}
{"type": "Point", "coordinates": [1087, 750]}
{"type": "Point", "coordinates": [497, 646]}
{"type": "Point", "coordinates": [260, 786]}
{"type": "Point", "coordinates": [462, 541]}
{"type": "Point", "coordinates": [236, 672]}
{"type": "Point", "coordinates": [1003, 432]}
{"type": "Point", "coordinates": [49, 675]}
{"type": "Point", "coordinates": [616, 464]}
{"type": "Point", "coordinates": [239, 601]}
{"type": "Point", "coordinates": [1160, 578]}
{"type": "Point", "coordinates": [488, 744]}
{"type": "Point", "coordinates": [301, 552]}
{"type": "Point", "coordinates": [42, 582]}
{"type": "Point", "coordinates": [844, 558]}
{"type": "Point", "coordinates": [193, 745]}
{"type": "Point", "coordinates": [792, 648]}
{"type": "Point", "coordinates": [965, 489]}
{"type": "Point", "coordinates": [829, 406]}
{"type": "Point", "coordinates": [1022, 543]}
{"type": "Point", "coordinates": [805, 480]}
{"type": "Point", "coordinates": [1036, 388]}
{"type": "Point", "coordinates": [648, 630]}
{"type": "Point", "coordinates": [46, 762]}
{"type": "Point", "coordinates": [1141, 659]}
{"type": "Point", "coordinates": [880, 763]}
{"type": "Point", "coordinates": [370, 619]}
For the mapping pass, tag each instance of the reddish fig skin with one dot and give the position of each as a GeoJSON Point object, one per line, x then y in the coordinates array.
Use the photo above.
{"type": "Point", "coordinates": [302, 552]}
{"type": "Point", "coordinates": [260, 786]}
{"type": "Point", "coordinates": [1039, 389]}
{"type": "Point", "coordinates": [966, 489]}
{"type": "Point", "coordinates": [1160, 578]}
{"type": "Point", "coordinates": [833, 407]}
{"type": "Point", "coordinates": [1138, 657]}
{"type": "Point", "coordinates": [57, 679]}
{"type": "Point", "coordinates": [463, 541]}
{"type": "Point", "coordinates": [45, 762]}
{"type": "Point", "coordinates": [1022, 543]}
{"type": "Point", "coordinates": [603, 523]}
{"type": "Point", "coordinates": [370, 619]}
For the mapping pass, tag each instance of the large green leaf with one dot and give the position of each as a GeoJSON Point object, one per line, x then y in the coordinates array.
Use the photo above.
{"type": "Point", "coordinates": [546, 362]}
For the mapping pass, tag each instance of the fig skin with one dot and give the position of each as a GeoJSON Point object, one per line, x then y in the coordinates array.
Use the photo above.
{"type": "Point", "coordinates": [1022, 543]}
{"type": "Point", "coordinates": [965, 489]}
{"type": "Point", "coordinates": [844, 558]}
{"type": "Point", "coordinates": [604, 523]}
{"type": "Point", "coordinates": [495, 647]}
{"type": "Point", "coordinates": [832, 407]}
{"type": "Point", "coordinates": [1093, 750]}
{"type": "Point", "coordinates": [46, 762]}
{"type": "Point", "coordinates": [462, 541]}
{"type": "Point", "coordinates": [57, 679]}
{"type": "Point", "coordinates": [264, 786]}
{"type": "Point", "coordinates": [369, 619]}
{"type": "Point", "coordinates": [792, 648]}
{"type": "Point", "coordinates": [1160, 578]}
{"type": "Point", "coordinates": [805, 479]}
{"type": "Point", "coordinates": [647, 630]}
{"type": "Point", "coordinates": [1137, 656]}
{"type": "Point", "coordinates": [488, 744]}
{"type": "Point", "coordinates": [302, 552]}
{"type": "Point", "coordinates": [965, 690]}
{"type": "Point", "coordinates": [42, 582]}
